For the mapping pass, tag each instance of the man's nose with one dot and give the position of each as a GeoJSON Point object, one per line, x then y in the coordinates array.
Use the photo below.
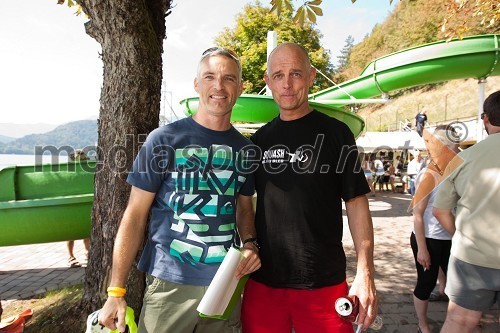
{"type": "Point", "coordinates": [287, 82]}
{"type": "Point", "coordinates": [218, 83]}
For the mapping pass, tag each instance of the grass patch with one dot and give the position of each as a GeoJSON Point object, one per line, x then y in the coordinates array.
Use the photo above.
{"type": "Point", "coordinates": [55, 311]}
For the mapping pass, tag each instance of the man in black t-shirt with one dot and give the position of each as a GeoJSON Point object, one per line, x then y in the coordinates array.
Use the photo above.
{"type": "Point", "coordinates": [308, 165]}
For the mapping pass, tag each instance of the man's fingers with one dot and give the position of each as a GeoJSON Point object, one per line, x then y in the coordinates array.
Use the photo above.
{"type": "Point", "coordinates": [249, 264]}
{"type": "Point", "coordinates": [107, 321]}
{"type": "Point", "coordinates": [120, 320]}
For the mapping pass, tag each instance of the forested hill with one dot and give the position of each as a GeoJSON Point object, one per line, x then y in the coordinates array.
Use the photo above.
{"type": "Point", "coordinates": [77, 134]}
{"type": "Point", "coordinates": [412, 23]}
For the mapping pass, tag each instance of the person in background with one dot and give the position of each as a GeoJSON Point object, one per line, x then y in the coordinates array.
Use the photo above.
{"type": "Point", "coordinates": [430, 242]}
{"type": "Point", "coordinates": [473, 187]}
{"type": "Point", "coordinates": [191, 175]}
{"type": "Point", "coordinates": [77, 155]}
{"type": "Point", "coordinates": [379, 173]}
{"type": "Point", "coordinates": [420, 120]}
{"type": "Point", "coordinates": [414, 167]}
{"type": "Point", "coordinates": [400, 172]}
{"type": "Point", "coordinates": [391, 171]}
{"type": "Point", "coordinates": [309, 164]}
{"type": "Point", "coordinates": [367, 166]}
{"type": "Point", "coordinates": [72, 262]}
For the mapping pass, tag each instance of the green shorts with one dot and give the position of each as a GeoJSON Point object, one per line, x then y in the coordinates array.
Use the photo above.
{"type": "Point", "coordinates": [171, 308]}
{"type": "Point", "coordinates": [472, 287]}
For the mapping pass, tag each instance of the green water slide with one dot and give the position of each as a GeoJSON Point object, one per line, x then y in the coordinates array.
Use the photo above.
{"type": "Point", "coordinates": [46, 203]}
{"type": "Point", "coordinates": [471, 57]}
{"type": "Point", "coordinates": [53, 202]}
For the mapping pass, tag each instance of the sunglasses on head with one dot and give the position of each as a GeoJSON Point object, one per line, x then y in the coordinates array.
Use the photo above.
{"type": "Point", "coordinates": [221, 50]}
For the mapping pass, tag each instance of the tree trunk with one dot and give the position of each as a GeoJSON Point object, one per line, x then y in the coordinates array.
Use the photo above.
{"type": "Point", "coordinates": [131, 35]}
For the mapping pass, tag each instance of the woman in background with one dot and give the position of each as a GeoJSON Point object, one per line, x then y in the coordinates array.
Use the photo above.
{"type": "Point", "coordinates": [430, 243]}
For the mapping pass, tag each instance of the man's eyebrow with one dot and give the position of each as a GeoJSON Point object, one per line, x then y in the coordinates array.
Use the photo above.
{"type": "Point", "coordinates": [293, 70]}
{"type": "Point", "coordinates": [207, 72]}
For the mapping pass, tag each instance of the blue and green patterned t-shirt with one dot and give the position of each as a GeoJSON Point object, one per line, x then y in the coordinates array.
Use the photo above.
{"type": "Point", "coordinates": [197, 175]}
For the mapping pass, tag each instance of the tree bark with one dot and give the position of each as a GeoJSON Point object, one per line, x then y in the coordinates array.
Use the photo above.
{"type": "Point", "coordinates": [131, 35]}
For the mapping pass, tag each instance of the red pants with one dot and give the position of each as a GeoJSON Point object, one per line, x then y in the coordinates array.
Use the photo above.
{"type": "Point", "coordinates": [277, 310]}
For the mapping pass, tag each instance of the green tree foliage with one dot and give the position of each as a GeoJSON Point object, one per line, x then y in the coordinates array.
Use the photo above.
{"type": "Point", "coordinates": [307, 12]}
{"type": "Point", "coordinates": [249, 40]}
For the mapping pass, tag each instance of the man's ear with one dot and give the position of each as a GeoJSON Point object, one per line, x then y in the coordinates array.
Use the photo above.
{"type": "Point", "coordinates": [240, 89]}
{"type": "Point", "coordinates": [196, 84]}
{"type": "Point", "coordinates": [266, 78]}
{"type": "Point", "coordinates": [312, 76]}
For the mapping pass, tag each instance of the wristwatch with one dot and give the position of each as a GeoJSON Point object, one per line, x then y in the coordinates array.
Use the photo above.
{"type": "Point", "coordinates": [252, 240]}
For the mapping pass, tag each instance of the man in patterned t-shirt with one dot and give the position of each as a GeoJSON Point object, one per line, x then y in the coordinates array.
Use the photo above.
{"type": "Point", "coordinates": [191, 176]}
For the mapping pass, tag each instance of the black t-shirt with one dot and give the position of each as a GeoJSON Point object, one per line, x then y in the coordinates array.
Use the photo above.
{"type": "Point", "coordinates": [307, 166]}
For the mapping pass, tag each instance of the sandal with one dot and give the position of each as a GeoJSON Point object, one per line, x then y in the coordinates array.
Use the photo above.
{"type": "Point", "coordinates": [72, 262]}
{"type": "Point", "coordinates": [436, 296]}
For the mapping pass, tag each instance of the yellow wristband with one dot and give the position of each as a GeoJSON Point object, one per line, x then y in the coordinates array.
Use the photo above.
{"type": "Point", "coordinates": [116, 291]}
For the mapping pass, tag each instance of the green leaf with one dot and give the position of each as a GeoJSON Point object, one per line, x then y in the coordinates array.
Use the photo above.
{"type": "Point", "coordinates": [275, 9]}
{"type": "Point", "coordinates": [311, 16]}
{"type": "Point", "coordinates": [353, 1]}
{"type": "Point", "coordinates": [314, 3]}
{"type": "Point", "coordinates": [317, 10]}
{"type": "Point", "coordinates": [288, 4]}
{"type": "Point", "coordinates": [300, 16]}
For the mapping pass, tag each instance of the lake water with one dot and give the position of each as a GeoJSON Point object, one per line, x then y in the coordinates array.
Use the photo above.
{"type": "Point", "coordinates": [13, 159]}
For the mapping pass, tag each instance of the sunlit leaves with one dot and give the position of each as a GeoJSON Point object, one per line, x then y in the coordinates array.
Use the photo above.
{"type": "Point", "coordinates": [72, 3]}
{"type": "Point", "coordinates": [279, 5]}
{"type": "Point", "coordinates": [307, 12]}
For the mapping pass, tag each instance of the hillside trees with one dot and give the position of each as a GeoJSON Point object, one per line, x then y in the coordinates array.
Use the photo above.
{"type": "Point", "coordinates": [249, 40]}
{"type": "Point", "coordinates": [345, 52]}
{"type": "Point", "coordinates": [412, 23]}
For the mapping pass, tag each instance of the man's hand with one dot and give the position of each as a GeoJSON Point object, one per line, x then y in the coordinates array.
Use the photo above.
{"type": "Point", "coordinates": [250, 262]}
{"type": "Point", "coordinates": [112, 314]}
{"type": "Point", "coordinates": [364, 287]}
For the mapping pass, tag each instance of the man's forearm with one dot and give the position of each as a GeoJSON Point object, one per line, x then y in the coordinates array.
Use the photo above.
{"type": "Point", "coordinates": [128, 241]}
{"type": "Point", "coordinates": [245, 218]}
{"type": "Point", "coordinates": [130, 235]}
{"type": "Point", "coordinates": [361, 227]}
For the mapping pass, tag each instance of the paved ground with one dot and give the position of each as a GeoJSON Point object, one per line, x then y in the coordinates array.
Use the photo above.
{"type": "Point", "coordinates": [30, 270]}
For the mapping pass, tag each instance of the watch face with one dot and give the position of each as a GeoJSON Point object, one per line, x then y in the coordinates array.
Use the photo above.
{"type": "Point", "coordinates": [256, 244]}
{"type": "Point", "coordinates": [253, 241]}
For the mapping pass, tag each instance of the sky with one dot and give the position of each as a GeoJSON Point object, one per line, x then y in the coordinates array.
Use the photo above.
{"type": "Point", "coordinates": [50, 70]}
